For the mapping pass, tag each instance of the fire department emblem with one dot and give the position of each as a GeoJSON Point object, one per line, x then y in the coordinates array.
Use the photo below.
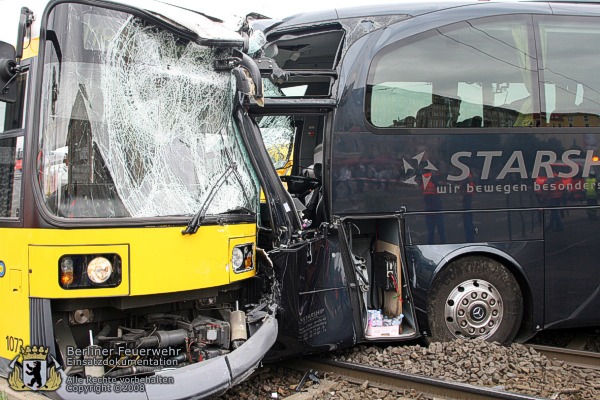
{"type": "Point", "coordinates": [428, 167]}
{"type": "Point", "coordinates": [34, 371]}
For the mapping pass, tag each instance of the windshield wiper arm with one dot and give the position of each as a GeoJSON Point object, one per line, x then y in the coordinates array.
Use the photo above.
{"type": "Point", "coordinates": [196, 222]}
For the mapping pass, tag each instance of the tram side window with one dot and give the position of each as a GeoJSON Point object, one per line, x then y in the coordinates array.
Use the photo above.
{"type": "Point", "coordinates": [11, 154]}
{"type": "Point", "coordinates": [477, 73]}
{"type": "Point", "coordinates": [11, 151]}
{"type": "Point", "coordinates": [571, 89]}
{"type": "Point", "coordinates": [11, 114]}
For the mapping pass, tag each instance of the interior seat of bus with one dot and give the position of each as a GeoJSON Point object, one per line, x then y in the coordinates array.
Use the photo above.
{"type": "Point", "coordinates": [314, 205]}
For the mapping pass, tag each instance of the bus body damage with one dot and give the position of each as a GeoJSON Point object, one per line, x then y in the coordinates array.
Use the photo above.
{"type": "Point", "coordinates": [348, 283]}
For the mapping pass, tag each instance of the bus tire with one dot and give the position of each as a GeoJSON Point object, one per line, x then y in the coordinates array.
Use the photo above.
{"type": "Point", "coordinates": [475, 297]}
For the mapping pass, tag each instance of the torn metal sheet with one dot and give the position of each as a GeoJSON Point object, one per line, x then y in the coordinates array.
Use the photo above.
{"type": "Point", "coordinates": [358, 27]}
{"type": "Point", "coordinates": [202, 25]}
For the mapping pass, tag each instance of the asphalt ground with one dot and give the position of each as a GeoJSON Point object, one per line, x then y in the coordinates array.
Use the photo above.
{"type": "Point", "coordinates": [6, 393]}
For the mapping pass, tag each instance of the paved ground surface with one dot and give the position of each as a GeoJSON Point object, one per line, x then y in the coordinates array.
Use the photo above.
{"type": "Point", "coordinates": [6, 393]}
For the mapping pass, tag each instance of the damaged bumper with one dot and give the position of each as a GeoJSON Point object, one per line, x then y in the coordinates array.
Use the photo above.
{"type": "Point", "coordinates": [195, 381]}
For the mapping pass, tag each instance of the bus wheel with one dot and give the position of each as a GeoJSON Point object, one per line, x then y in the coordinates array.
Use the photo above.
{"type": "Point", "coordinates": [475, 297]}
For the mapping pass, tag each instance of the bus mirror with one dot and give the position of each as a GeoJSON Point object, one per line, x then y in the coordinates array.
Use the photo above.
{"type": "Point", "coordinates": [8, 73]}
{"type": "Point", "coordinates": [24, 32]}
{"type": "Point", "coordinates": [10, 58]}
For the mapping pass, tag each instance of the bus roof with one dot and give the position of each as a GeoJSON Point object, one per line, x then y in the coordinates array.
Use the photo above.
{"type": "Point", "coordinates": [410, 8]}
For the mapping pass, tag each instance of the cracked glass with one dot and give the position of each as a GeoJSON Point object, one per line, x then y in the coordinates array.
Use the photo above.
{"type": "Point", "coordinates": [278, 133]}
{"type": "Point", "coordinates": [135, 122]}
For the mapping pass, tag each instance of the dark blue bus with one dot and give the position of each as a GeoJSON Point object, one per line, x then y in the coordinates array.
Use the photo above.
{"type": "Point", "coordinates": [442, 158]}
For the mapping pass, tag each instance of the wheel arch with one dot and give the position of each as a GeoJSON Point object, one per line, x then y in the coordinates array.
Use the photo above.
{"type": "Point", "coordinates": [526, 329]}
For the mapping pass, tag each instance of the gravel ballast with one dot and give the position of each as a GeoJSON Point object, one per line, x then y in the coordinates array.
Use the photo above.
{"type": "Point", "coordinates": [514, 368]}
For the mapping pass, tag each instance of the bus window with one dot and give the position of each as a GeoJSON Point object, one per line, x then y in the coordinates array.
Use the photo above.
{"type": "Point", "coordinates": [571, 89]}
{"type": "Point", "coordinates": [300, 54]}
{"type": "Point", "coordinates": [410, 97]}
{"type": "Point", "coordinates": [423, 81]}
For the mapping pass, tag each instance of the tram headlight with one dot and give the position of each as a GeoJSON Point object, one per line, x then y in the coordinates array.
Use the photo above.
{"type": "Point", "coordinates": [66, 271]}
{"type": "Point", "coordinates": [242, 258]}
{"type": "Point", "coordinates": [87, 271]}
{"type": "Point", "coordinates": [99, 270]}
{"type": "Point", "coordinates": [237, 258]}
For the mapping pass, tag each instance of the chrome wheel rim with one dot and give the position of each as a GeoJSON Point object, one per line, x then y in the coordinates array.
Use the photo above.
{"type": "Point", "coordinates": [474, 309]}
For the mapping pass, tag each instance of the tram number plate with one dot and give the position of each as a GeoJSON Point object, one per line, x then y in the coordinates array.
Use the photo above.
{"type": "Point", "coordinates": [14, 343]}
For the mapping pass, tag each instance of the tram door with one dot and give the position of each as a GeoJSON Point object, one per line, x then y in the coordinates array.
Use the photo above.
{"type": "Point", "coordinates": [13, 259]}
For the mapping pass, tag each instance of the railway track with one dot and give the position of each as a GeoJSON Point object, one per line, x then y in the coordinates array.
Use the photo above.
{"type": "Point", "coordinates": [578, 358]}
{"type": "Point", "coordinates": [432, 387]}
{"type": "Point", "coordinates": [391, 379]}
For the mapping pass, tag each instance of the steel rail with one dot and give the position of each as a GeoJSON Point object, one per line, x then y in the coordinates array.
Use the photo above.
{"type": "Point", "coordinates": [401, 380]}
{"type": "Point", "coordinates": [578, 358]}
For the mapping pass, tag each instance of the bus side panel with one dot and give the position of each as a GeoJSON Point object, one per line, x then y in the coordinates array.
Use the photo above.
{"type": "Point", "coordinates": [14, 292]}
{"type": "Point", "coordinates": [572, 278]}
{"type": "Point", "coordinates": [462, 183]}
{"type": "Point", "coordinates": [475, 227]}
{"type": "Point", "coordinates": [428, 171]}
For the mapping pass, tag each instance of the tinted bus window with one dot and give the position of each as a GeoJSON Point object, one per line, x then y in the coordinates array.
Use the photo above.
{"type": "Point", "coordinates": [571, 88]}
{"type": "Point", "coordinates": [478, 73]}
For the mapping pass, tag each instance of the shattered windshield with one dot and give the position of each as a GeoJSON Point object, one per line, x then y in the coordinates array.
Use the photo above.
{"type": "Point", "coordinates": [135, 122]}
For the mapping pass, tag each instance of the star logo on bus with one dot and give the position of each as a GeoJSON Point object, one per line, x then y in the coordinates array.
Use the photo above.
{"type": "Point", "coordinates": [409, 169]}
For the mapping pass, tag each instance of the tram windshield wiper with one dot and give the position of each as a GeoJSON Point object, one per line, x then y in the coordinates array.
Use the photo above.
{"type": "Point", "coordinates": [196, 221]}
